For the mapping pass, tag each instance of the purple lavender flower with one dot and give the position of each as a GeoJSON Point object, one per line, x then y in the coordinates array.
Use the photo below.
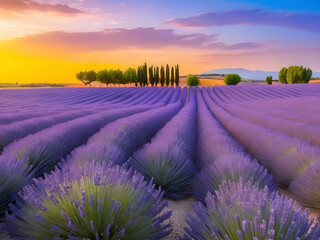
{"type": "Point", "coordinates": [250, 204]}
{"type": "Point", "coordinates": [121, 190]}
{"type": "Point", "coordinates": [167, 159]}
{"type": "Point", "coordinates": [231, 167]}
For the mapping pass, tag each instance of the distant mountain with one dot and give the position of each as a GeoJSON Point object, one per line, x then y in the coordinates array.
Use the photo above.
{"type": "Point", "coordinates": [248, 74]}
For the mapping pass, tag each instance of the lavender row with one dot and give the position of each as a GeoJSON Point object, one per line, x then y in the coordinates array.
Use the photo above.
{"type": "Point", "coordinates": [256, 92]}
{"type": "Point", "coordinates": [239, 205]}
{"type": "Point", "coordinates": [296, 109]}
{"type": "Point", "coordinates": [296, 156]}
{"type": "Point", "coordinates": [137, 213]}
{"type": "Point", "coordinates": [168, 158]}
{"type": "Point", "coordinates": [221, 158]}
{"type": "Point", "coordinates": [117, 141]}
{"type": "Point", "coordinates": [284, 156]}
{"type": "Point", "coordinates": [305, 131]}
{"type": "Point", "coordinates": [17, 130]}
{"type": "Point", "coordinates": [43, 150]}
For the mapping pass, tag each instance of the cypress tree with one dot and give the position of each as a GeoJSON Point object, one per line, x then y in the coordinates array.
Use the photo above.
{"type": "Point", "coordinates": [167, 75]}
{"type": "Point", "coordinates": [162, 76]}
{"type": "Point", "coordinates": [172, 76]}
{"type": "Point", "coordinates": [177, 78]}
{"type": "Point", "coordinates": [145, 74]}
{"type": "Point", "coordinates": [151, 76]}
{"type": "Point", "coordinates": [156, 76]}
{"type": "Point", "coordinates": [140, 78]}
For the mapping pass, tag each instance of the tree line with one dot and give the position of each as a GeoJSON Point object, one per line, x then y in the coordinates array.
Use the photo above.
{"type": "Point", "coordinates": [142, 76]}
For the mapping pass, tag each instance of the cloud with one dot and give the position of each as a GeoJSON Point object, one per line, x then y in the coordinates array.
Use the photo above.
{"type": "Point", "coordinates": [121, 38]}
{"type": "Point", "coordinates": [298, 21]}
{"type": "Point", "coordinates": [24, 6]}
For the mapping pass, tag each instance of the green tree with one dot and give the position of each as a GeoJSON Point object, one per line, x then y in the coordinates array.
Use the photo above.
{"type": "Point", "coordinates": [151, 76]}
{"type": "Point", "coordinates": [269, 80]}
{"type": "Point", "coordinates": [140, 77]}
{"type": "Point", "coordinates": [298, 74]}
{"type": "Point", "coordinates": [145, 74]}
{"type": "Point", "coordinates": [307, 74]}
{"type": "Point", "coordinates": [81, 76]}
{"type": "Point", "coordinates": [177, 77]}
{"type": "Point", "coordinates": [162, 76]}
{"type": "Point", "coordinates": [90, 77]}
{"type": "Point", "coordinates": [156, 76]}
{"type": "Point", "coordinates": [192, 80]}
{"type": "Point", "coordinates": [167, 75]}
{"type": "Point", "coordinates": [232, 79]}
{"type": "Point", "coordinates": [130, 76]}
{"type": "Point", "coordinates": [283, 75]}
{"type": "Point", "coordinates": [172, 76]}
{"type": "Point", "coordinates": [103, 77]}
{"type": "Point", "coordinates": [118, 76]}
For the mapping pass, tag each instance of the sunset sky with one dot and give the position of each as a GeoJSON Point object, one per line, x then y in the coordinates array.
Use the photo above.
{"type": "Point", "coordinates": [49, 41]}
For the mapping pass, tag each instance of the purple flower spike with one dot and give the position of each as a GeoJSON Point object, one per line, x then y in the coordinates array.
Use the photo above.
{"type": "Point", "coordinates": [125, 197]}
{"type": "Point", "coordinates": [236, 204]}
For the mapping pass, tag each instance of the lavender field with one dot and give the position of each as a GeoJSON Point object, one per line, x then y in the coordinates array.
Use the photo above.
{"type": "Point", "coordinates": [102, 163]}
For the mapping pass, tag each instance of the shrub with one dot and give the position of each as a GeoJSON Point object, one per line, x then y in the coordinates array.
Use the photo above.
{"type": "Point", "coordinates": [295, 74]}
{"type": "Point", "coordinates": [231, 167]}
{"type": "Point", "coordinates": [192, 80]}
{"type": "Point", "coordinates": [232, 79]}
{"type": "Point", "coordinates": [243, 211]}
{"type": "Point", "coordinates": [283, 75]}
{"type": "Point", "coordinates": [298, 74]}
{"type": "Point", "coordinates": [269, 80]}
{"type": "Point", "coordinates": [93, 201]}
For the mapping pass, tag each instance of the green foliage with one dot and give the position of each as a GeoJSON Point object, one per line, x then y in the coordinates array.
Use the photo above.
{"type": "Point", "coordinates": [232, 79]}
{"type": "Point", "coordinates": [87, 77]}
{"type": "Point", "coordinates": [283, 75]}
{"type": "Point", "coordinates": [142, 76]}
{"type": "Point", "coordinates": [103, 77]}
{"type": "Point", "coordinates": [269, 80]}
{"type": "Point", "coordinates": [151, 76]}
{"type": "Point", "coordinates": [298, 74]}
{"type": "Point", "coordinates": [116, 76]}
{"type": "Point", "coordinates": [156, 76]}
{"type": "Point", "coordinates": [162, 76]}
{"type": "Point", "coordinates": [172, 76]}
{"type": "Point", "coordinates": [145, 74]}
{"type": "Point", "coordinates": [91, 76]}
{"type": "Point", "coordinates": [177, 77]}
{"type": "Point", "coordinates": [81, 76]}
{"type": "Point", "coordinates": [295, 74]}
{"type": "Point", "coordinates": [167, 75]}
{"type": "Point", "coordinates": [192, 80]}
{"type": "Point", "coordinates": [130, 76]}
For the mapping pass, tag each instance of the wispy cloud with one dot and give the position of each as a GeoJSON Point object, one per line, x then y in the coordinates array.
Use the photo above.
{"type": "Point", "coordinates": [122, 38]}
{"type": "Point", "coordinates": [298, 21]}
{"type": "Point", "coordinates": [25, 6]}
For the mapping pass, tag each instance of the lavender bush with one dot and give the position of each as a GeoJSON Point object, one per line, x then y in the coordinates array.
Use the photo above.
{"type": "Point", "coordinates": [168, 158]}
{"type": "Point", "coordinates": [306, 185]}
{"type": "Point", "coordinates": [94, 201]}
{"type": "Point", "coordinates": [231, 168]}
{"type": "Point", "coordinates": [243, 211]}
